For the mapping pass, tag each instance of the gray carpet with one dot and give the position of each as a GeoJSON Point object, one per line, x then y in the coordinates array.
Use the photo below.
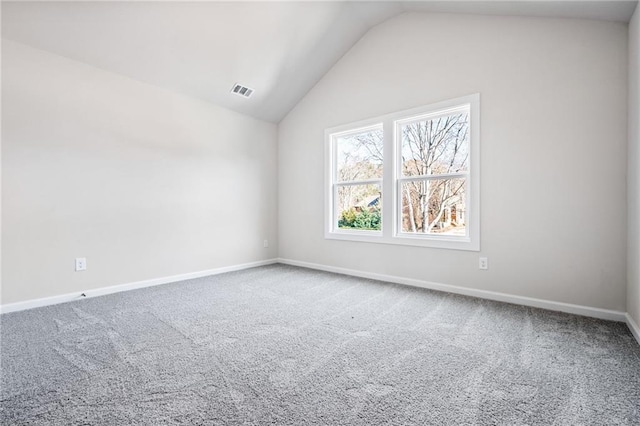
{"type": "Point", "coordinates": [289, 346]}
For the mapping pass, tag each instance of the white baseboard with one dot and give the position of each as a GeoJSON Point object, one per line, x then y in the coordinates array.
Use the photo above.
{"type": "Point", "coordinates": [482, 294]}
{"type": "Point", "coordinates": [36, 303]}
{"type": "Point", "coordinates": [635, 330]}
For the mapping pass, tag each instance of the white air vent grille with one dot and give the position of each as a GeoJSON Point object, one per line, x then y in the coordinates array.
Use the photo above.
{"type": "Point", "coordinates": [241, 90]}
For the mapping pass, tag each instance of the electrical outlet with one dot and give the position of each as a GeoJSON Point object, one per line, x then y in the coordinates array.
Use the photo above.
{"type": "Point", "coordinates": [265, 244]}
{"type": "Point", "coordinates": [484, 263]}
{"type": "Point", "coordinates": [81, 264]}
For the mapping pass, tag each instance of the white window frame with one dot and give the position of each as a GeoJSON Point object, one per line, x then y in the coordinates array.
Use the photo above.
{"type": "Point", "coordinates": [331, 160]}
{"type": "Point", "coordinates": [392, 179]}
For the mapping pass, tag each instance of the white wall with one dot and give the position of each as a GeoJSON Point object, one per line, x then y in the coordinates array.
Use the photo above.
{"type": "Point", "coordinates": [143, 182]}
{"type": "Point", "coordinates": [633, 260]}
{"type": "Point", "coordinates": [554, 126]}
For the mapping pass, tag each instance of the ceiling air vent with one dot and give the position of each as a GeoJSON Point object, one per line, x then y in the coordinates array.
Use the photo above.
{"type": "Point", "coordinates": [243, 91]}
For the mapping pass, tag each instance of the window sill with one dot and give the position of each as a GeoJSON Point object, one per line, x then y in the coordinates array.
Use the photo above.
{"type": "Point", "coordinates": [441, 242]}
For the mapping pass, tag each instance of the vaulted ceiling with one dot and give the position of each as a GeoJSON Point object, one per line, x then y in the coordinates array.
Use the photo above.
{"type": "Point", "coordinates": [280, 49]}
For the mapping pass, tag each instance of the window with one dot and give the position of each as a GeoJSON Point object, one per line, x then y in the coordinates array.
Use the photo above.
{"type": "Point", "coordinates": [434, 157]}
{"type": "Point", "coordinates": [426, 163]}
{"type": "Point", "coordinates": [357, 176]}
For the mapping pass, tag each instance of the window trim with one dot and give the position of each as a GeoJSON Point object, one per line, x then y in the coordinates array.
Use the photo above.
{"type": "Point", "coordinates": [392, 178]}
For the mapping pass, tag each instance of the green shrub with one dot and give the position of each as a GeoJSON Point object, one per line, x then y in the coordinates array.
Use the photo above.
{"type": "Point", "coordinates": [365, 219]}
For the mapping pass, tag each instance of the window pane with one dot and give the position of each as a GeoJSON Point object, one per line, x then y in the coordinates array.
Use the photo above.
{"type": "Point", "coordinates": [359, 207]}
{"type": "Point", "coordinates": [434, 207]}
{"type": "Point", "coordinates": [436, 146]}
{"type": "Point", "coordinates": [359, 156]}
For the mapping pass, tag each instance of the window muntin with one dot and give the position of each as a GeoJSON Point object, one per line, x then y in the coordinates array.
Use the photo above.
{"type": "Point", "coordinates": [431, 196]}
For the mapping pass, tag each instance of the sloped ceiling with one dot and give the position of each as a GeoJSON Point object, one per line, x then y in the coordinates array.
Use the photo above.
{"type": "Point", "coordinates": [280, 49]}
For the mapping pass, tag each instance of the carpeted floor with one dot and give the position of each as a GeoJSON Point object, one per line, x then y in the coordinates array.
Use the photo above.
{"type": "Point", "coordinates": [289, 346]}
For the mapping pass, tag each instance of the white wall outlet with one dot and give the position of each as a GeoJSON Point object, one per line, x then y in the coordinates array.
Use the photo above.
{"type": "Point", "coordinates": [265, 244]}
{"type": "Point", "coordinates": [81, 264]}
{"type": "Point", "coordinates": [484, 263]}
